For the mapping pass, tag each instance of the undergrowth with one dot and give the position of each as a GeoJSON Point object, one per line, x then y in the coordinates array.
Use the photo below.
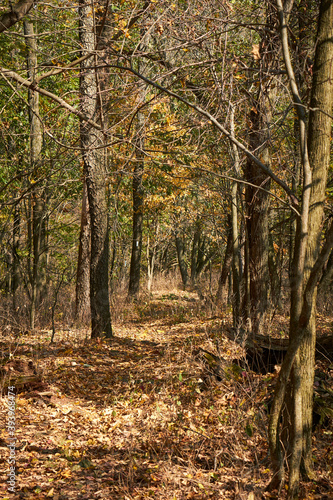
{"type": "Point", "coordinates": [140, 416]}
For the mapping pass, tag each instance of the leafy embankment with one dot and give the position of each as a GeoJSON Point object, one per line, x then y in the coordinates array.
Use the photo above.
{"type": "Point", "coordinates": [142, 416]}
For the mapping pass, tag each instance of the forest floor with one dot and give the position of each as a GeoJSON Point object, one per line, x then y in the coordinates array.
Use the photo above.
{"type": "Point", "coordinates": [140, 416]}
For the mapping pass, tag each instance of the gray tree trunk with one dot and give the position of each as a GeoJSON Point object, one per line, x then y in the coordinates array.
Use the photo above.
{"type": "Point", "coordinates": [180, 247]}
{"type": "Point", "coordinates": [16, 260]}
{"type": "Point", "coordinates": [37, 276]}
{"type": "Point", "coordinates": [223, 285]}
{"type": "Point", "coordinates": [82, 298]}
{"type": "Point", "coordinates": [236, 271]}
{"type": "Point", "coordinates": [95, 172]}
{"type": "Point", "coordinates": [138, 198]}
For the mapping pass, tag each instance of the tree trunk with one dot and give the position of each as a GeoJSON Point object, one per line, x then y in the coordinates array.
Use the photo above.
{"type": "Point", "coordinates": [151, 256]}
{"type": "Point", "coordinates": [236, 271]}
{"type": "Point", "coordinates": [236, 259]}
{"type": "Point", "coordinates": [134, 282]}
{"type": "Point", "coordinates": [37, 205]}
{"type": "Point", "coordinates": [95, 173]}
{"type": "Point", "coordinates": [222, 291]}
{"type": "Point", "coordinates": [138, 199]}
{"type": "Point", "coordinates": [319, 137]}
{"type": "Point", "coordinates": [82, 299]}
{"type": "Point", "coordinates": [307, 266]}
{"type": "Point", "coordinates": [302, 42]}
{"type": "Point", "coordinates": [257, 200]}
{"type": "Point", "coordinates": [16, 260]}
{"type": "Point", "coordinates": [195, 251]}
{"type": "Point", "coordinates": [257, 203]}
{"type": "Point", "coordinates": [180, 247]}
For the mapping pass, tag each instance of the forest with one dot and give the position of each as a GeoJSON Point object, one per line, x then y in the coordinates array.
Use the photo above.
{"type": "Point", "coordinates": [166, 249]}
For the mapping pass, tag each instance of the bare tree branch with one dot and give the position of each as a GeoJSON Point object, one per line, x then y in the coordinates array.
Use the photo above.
{"type": "Point", "coordinates": [6, 73]}
{"type": "Point", "coordinates": [220, 127]}
{"type": "Point", "coordinates": [242, 181]}
{"type": "Point", "coordinates": [15, 14]}
{"type": "Point", "coordinates": [115, 37]}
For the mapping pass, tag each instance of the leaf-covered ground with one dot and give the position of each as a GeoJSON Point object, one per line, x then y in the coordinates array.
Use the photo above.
{"type": "Point", "coordinates": [141, 416]}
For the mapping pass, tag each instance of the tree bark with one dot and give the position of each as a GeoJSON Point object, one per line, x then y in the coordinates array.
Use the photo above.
{"type": "Point", "coordinates": [180, 247]}
{"type": "Point", "coordinates": [195, 254]}
{"type": "Point", "coordinates": [222, 291]}
{"type": "Point", "coordinates": [138, 198]}
{"type": "Point", "coordinates": [138, 194]}
{"type": "Point", "coordinates": [16, 259]}
{"type": "Point", "coordinates": [257, 200]}
{"type": "Point", "coordinates": [257, 233]}
{"type": "Point", "coordinates": [37, 276]}
{"type": "Point", "coordinates": [319, 137]}
{"type": "Point", "coordinates": [82, 298]}
{"type": "Point", "coordinates": [151, 256]}
{"type": "Point", "coordinates": [95, 172]}
{"type": "Point", "coordinates": [236, 271]}
{"type": "Point", "coordinates": [302, 40]}
{"type": "Point", "coordinates": [297, 372]}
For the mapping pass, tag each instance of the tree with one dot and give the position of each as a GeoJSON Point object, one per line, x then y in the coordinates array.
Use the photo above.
{"type": "Point", "coordinates": [194, 66]}
{"type": "Point", "coordinates": [236, 260]}
{"type": "Point", "coordinates": [82, 295]}
{"type": "Point", "coordinates": [37, 224]}
{"type": "Point", "coordinates": [307, 264]}
{"type": "Point", "coordinates": [257, 201]}
{"type": "Point", "coordinates": [92, 141]}
{"type": "Point", "coordinates": [138, 204]}
{"type": "Point", "coordinates": [295, 384]}
{"type": "Point", "coordinates": [180, 247]}
{"type": "Point", "coordinates": [222, 291]}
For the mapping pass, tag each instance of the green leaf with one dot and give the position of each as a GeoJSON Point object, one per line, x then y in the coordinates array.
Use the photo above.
{"type": "Point", "coordinates": [86, 464]}
{"type": "Point", "coordinates": [249, 430]}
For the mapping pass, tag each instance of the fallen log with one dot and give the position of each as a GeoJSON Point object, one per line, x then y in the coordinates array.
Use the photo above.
{"type": "Point", "coordinates": [264, 352]}
{"type": "Point", "coordinates": [19, 374]}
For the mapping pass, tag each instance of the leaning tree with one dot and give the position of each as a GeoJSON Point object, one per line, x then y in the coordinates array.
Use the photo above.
{"type": "Point", "coordinates": [295, 383]}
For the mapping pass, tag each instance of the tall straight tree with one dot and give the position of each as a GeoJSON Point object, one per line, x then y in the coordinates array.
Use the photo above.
{"type": "Point", "coordinates": [138, 194]}
{"type": "Point", "coordinates": [138, 171]}
{"type": "Point", "coordinates": [92, 141]}
{"type": "Point", "coordinates": [138, 190]}
{"type": "Point", "coordinates": [236, 268]}
{"type": "Point", "coordinates": [180, 248]}
{"type": "Point", "coordinates": [257, 200]}
{"type": "Point", "coordinates": [15, 246]}
{"type": "Point", "coordinates": [82, 291]}
{"type": "Point", "coordinates": [296, 378]}
{"type": "Point", "coordinates": [37, 205]}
